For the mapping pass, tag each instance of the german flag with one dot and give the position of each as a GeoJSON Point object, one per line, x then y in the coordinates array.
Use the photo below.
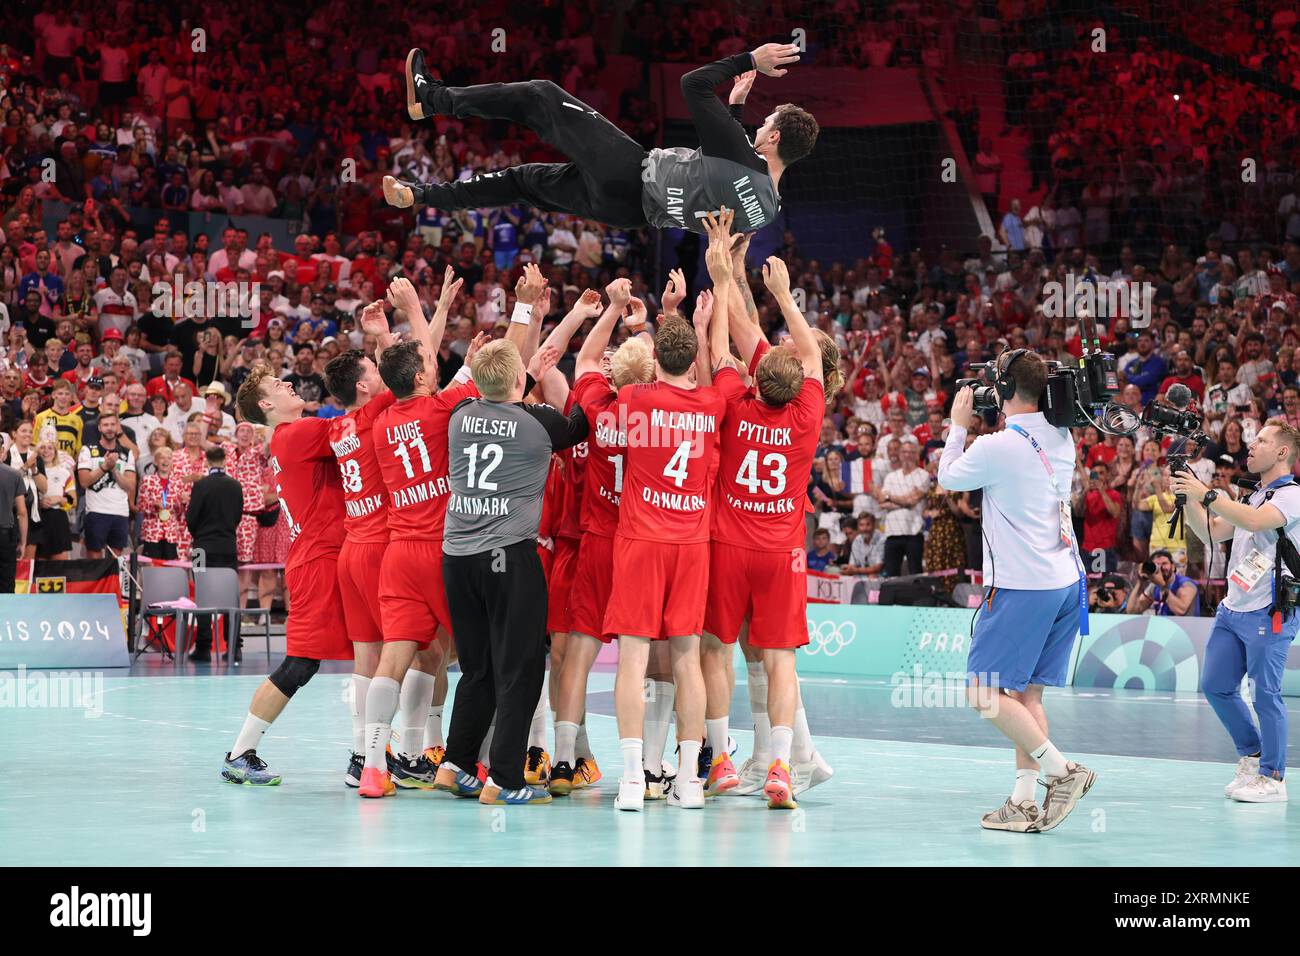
{"type": "Point", "coordinates": [83, 576]}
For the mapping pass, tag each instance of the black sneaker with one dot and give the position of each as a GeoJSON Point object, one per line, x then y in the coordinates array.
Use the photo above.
{"type": "Point", "coordinates": [201, 655]}
{"type": "Point", "coordinates": [705, 763]}
{"type": "Point", "coordinates": [422, 101]}
{"type": "Point", "coordinates": [356, 763]}
{"type": "Point", "coordinates": [412, 773]}
{"type": "Point", "coordinates": [656, 787]}
{"type": "Point", "coordinates": [561, 783]}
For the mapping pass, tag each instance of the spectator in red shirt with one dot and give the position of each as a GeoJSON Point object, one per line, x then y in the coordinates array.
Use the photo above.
{"type": "Point", "coordinates": [165, 383]}
{"type": "Point", "coordinates": [83, 369]}
{"type": "Point", "coordinates": [1184, 373]}
{"type": "Point", "coordinates": [1102, 507]}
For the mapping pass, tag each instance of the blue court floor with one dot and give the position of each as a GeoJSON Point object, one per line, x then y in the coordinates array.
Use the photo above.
{"type": "Point", "coordinates": [140, 785]}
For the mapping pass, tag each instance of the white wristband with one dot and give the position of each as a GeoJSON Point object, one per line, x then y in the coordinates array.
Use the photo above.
{"type": "Point", "coordinates": [463, 375]}
{"type": "Point", "coordinates": [523, 313]}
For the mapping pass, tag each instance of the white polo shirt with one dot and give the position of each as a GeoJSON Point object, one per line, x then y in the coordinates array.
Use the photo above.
{"type": "Point", "coordinates": [1022, 545]}
{"type": "Point", "coordinates": [1287, 500]}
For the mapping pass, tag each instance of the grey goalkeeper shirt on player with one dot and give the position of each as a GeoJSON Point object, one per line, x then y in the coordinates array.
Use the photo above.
{"type": "Point", "coordinates": [681, 186]}
{"type": "Point", "coordinates": [500, 453]}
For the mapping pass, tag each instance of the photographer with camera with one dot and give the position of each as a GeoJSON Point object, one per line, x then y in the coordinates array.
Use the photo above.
{"type": "Point", "coordinates": [1037, 596]}
{"type": "Point", "coordinates": [1256, 623]}
{"type": "Point", "coordinates": [1111, 595]}
{"type": "Point", "coordinates": [1164, 591]}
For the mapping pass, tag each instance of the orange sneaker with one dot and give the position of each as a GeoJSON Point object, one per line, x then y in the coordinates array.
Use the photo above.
{"type": "Point", "coordinates": [778, 789]}
{"type": "Point", "coordinates": [722, 776]}
{"type": "Point", "coordinates": [434, 755]}
{"type": "Point", "coordinates": [376, 783]}
{"type": "Point", "coordinates": [481, 772]}
{"type": "Point", "coordinates": [585, 773]}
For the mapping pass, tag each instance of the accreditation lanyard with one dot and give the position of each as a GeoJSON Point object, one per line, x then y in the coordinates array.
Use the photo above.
{"type": "Point", "coordinates": [1067, 529]}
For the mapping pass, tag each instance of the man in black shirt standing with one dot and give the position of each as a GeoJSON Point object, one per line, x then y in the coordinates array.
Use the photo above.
{"type": "Point", "coordinates": [215, 509]}
{"type": "Point", "coordinates": [306, 381]}
{"type": "Point", "coordinates": [13, 525]}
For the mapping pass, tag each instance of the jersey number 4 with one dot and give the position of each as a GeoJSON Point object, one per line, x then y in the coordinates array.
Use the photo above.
{"type": "Point", "coordinates": [747, 477]}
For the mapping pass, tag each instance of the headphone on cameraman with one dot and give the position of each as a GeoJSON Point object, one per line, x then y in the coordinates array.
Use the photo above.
{"type": "Point", "coordinates": [1004, 383]}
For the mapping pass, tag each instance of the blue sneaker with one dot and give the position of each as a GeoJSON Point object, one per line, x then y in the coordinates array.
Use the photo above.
{"type": "Point", "coordinates": [456, 781]}
{"type": "Point", "coordinates": [356, 763]}
{"type": "Point", "coordinates": [493, 795]}
{"type": "Point", "coordinates": [250, 770]}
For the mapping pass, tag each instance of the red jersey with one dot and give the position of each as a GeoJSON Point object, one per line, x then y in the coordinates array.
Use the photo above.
{"type": "Point", "coordinates": [575, 470]}
{"type": "Point", "coordinates": [606, 454]}
{"type": "Point", "coordinates": [311, 495]}
{"type": "Point", "coordinates": [765, 459]}
{"type": "Point", "coordinates": [410, 439]}
{"type": "Point", "coordinates": [672, 445]}
{"type": "Point", "coordinates": [353, 442]}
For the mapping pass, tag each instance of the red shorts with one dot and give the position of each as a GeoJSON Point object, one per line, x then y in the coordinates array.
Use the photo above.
{"type": "Point", "coordinates": [315, 628]}
{"type": "Point", "coordinates": [359, 586]}
{"type": "Point", "coordinates": [768, 587]}
{"type": "Point", "coordinates": [559, 581]}
{"type": "Point", "coordinates": [412, 598]}
{"type": "Point", "coordinates": [659, 589]}
{"type": "Point", "coordinates": [593, 579]}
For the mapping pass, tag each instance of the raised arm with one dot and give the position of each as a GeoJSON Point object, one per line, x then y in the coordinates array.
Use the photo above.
{"type": "Point", "coordinates": [403, 297]}
{"type": "Point", "coordinates": [718, 260]}
{"type": "Point", "coordinates": [593, 347]}
{"type": "Point", "coordinates": [777, 280]}
{"type": "Point", "coordinates": [587, 307]}
{"type": "Point", "coordinates": [528, 294]}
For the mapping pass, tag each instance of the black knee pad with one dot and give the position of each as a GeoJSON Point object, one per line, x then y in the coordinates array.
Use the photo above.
{"type": "Point", "coordinates": [293, 673]}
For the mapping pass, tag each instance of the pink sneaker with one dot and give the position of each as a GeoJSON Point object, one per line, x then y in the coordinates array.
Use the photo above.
{"type": "Point", "coordinates": [376, 783]}
{"type": "Point", "coordinates": [722, 776]}
{"type": "Point", "coordinates": [778, 789]}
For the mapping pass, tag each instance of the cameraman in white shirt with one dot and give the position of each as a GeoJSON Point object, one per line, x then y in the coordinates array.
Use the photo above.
{"type": "Point", "coordinates": [1032, 609]}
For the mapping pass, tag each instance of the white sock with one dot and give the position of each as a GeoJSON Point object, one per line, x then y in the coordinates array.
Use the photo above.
{"type": "Point", "coordinates": [250, 735]}
{"type": "Point", "coordinates": [757, 685]}
{"type": "Point", "coordinates": [782, 739]}
{"type": "Point", "coordinates": [433, 728]}
{"type": "Point", "coordinates": [1026, 786]}
{"type": "Point", "coordinates": [688, 766]}
{"type": "Point", "coordinates": [381, 704]}
{"type": "Point", "coordinates": [357, 707]}
{"type": "Point", "coordinates": [413, 710]}
{"type": "Point", "coordinates": [715, 732]}
{"type": "Point", "coordinates": [803, 746]}
{"type": "Point", "coordinates": [566, 740]}
{"type": "Point", "coordinates": [658, 717]}
{"type": "Point", "coordinates": [1050, 759]}
{"type": "Point", "coordinates": [582, 746]}
{"type": "Point", "coordinates": [486, 748]}
{"type": "Point", "coordinates": [537, 730]}
{"type": "Point", "coordinates": [631, 757]}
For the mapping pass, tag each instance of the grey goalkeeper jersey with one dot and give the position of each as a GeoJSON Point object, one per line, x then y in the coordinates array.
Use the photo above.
{"type": "Point", "coordinates": [500, 453]}
{"type": "Point", "coordinates": [680, 186]}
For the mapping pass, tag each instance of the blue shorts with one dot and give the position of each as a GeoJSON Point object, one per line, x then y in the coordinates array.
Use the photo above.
{"type": "Point", "coordinates": [1024, 637]}
{"type": "Point", "coordinates": [504, 258]}
{"type": "Point", "coordinates": [100, 529]}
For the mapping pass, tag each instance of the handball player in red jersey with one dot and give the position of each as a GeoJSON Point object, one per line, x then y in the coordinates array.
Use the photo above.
{"type": "Point", "coordinates": [311, 495]}
{"type": "Point", "coordinates": [661, 551]}
{"type": "Point", "coordinates": [757, 565]}
{"type": "Point", "coordinates": [810, 768]}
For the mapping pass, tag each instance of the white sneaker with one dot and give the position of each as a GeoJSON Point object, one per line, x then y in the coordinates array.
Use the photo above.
{"type": "Point", "coordinates": [687, 794]}
{"type": "Point", "coordinates": [1261, 790]}
{"type": "Point", "coordinates": [810, 773]}
{"type": "Point", "coordinates": [1247, 770]}
{"type": "Point", "coordinates": [753, 775]}
{"type": "Point", "coordinates": [631, 795]}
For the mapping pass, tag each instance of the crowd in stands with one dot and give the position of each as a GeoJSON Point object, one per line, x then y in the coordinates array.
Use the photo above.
{"type": "Point", "coordinates": [145, 138]}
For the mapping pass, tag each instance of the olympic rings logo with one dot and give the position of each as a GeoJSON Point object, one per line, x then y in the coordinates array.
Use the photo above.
{"type": "Point", "coordinates": [830, 638]}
